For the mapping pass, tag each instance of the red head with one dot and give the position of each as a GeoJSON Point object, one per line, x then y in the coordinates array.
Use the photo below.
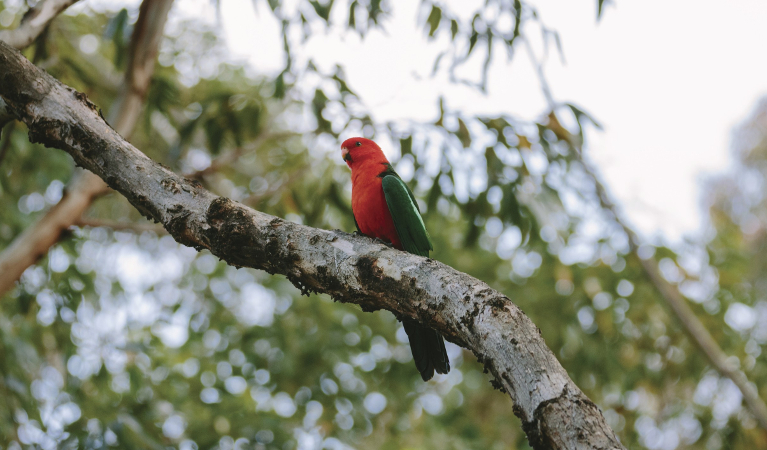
{"type": "Point", "coordinates": [358, 151]}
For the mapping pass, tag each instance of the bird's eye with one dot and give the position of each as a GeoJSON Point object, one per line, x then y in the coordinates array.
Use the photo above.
{"type": "Point", "coordinates": [359, 144]}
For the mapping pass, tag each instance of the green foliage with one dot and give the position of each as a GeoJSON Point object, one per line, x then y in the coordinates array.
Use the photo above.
{"type": "Point", "coordinates": [435, 16]}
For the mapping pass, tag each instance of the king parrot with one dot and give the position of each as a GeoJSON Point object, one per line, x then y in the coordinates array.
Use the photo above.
{"type": "Point", "coordinates": [385, 208]}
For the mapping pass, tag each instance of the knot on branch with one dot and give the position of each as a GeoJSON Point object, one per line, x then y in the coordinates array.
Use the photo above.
{"type": "Point", "coordinates": [234, 233]}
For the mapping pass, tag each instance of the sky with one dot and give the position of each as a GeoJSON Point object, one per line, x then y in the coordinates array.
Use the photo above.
{"type": "Point", "coordinates": [668, 80]}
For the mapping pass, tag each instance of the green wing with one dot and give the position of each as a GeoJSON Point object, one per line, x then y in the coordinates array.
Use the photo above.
{"type": "Point", "coordinates": [407, 217]}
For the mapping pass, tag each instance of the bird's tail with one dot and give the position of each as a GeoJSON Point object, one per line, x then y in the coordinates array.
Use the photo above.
{"type": "Point", "coordinates": [428, 349]}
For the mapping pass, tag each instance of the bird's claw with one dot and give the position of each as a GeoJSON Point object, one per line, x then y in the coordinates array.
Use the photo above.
{"type": "Point", "coordinates": [376, 240]}
{"type": "Point", "coordinates": [386, 243]}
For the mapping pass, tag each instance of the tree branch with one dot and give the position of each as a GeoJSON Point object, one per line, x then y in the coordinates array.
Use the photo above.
{"type": "Point", "coordinates": [234, 154]}
{"type": "Point", "coordinates": [117, 225]}
{"type": "Point", "coordinates": [355, 269]}
{"type": "Point", "coordinates": [34, 22]}
{"type": "Point", "coordinates": [39, 237]}
{"type": "Point", "coordinates": [297, 174]}
{"type": "Point", "coordinates": [5, 140]}
{"type": "Point", "coordinates": [142, 54]}
{"type": "Point", "coordinates": [669, 293]}
{"type": "Point", "coordinates": [684, 314]}
{"type": "Point", "coordinates": [5, 116]}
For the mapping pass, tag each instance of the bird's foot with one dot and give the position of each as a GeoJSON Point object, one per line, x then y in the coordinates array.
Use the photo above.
{"type": "Point", "coordinates": [381, 241]}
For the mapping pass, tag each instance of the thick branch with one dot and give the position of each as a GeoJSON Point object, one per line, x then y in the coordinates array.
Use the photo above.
{"type": "Point", "coordinates": [39, 237]}
{"type": "Point", "coordinates": [34, 22]}
{"type": "Point", "coordinates": [554, 412]}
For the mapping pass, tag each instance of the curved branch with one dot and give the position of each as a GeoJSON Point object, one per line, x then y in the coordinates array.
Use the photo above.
{"type": "Point", "coordinates": [34, 22]}
{"type": "Point", "coordinates": [85, 187]}
{"type": "Point", "coordinates": [355, 269]}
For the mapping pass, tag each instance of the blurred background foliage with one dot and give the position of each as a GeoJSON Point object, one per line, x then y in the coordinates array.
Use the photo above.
{"type": "Point", "coordinates": [120, 337]}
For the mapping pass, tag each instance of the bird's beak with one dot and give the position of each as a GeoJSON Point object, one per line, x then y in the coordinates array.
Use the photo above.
{"type": "Point", "coordinates": [345, 153]}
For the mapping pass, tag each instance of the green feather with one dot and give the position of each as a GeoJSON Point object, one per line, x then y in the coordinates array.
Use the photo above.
{"type": "Point", "coordinates": [407, 217]}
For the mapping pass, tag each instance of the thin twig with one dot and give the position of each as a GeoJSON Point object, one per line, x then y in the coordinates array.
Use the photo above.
{"type": "Point", "coordinates": [5, 115]}
{"type": "Point", "coordinates": [34, 22]}
{"type": "Point", "coordinates": [539, 71]}
{"type": "Point", "coordinates": [231, 156]}
{"type": "Point", "coordinates": [122, 226]}
{"type": "Point", "coordinates": [253, 200]}
{"type": "Point", "coordinates": [684, 314]}
{"type": "Point", "coordinates": [668, 292]}
{"type": "Point", "coordinates": [6, 140]}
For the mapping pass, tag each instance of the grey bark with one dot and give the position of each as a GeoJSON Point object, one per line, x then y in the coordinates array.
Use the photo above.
{"type": "Point", "coordinates": [354, 269]}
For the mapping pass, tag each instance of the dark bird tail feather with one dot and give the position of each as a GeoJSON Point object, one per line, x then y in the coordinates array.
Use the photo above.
{"type": "Point", "coordinates": [428, 349]}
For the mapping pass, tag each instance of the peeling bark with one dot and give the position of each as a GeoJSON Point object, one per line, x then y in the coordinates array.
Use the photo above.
{"type": "Point", "coordinates": [354, 269]}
